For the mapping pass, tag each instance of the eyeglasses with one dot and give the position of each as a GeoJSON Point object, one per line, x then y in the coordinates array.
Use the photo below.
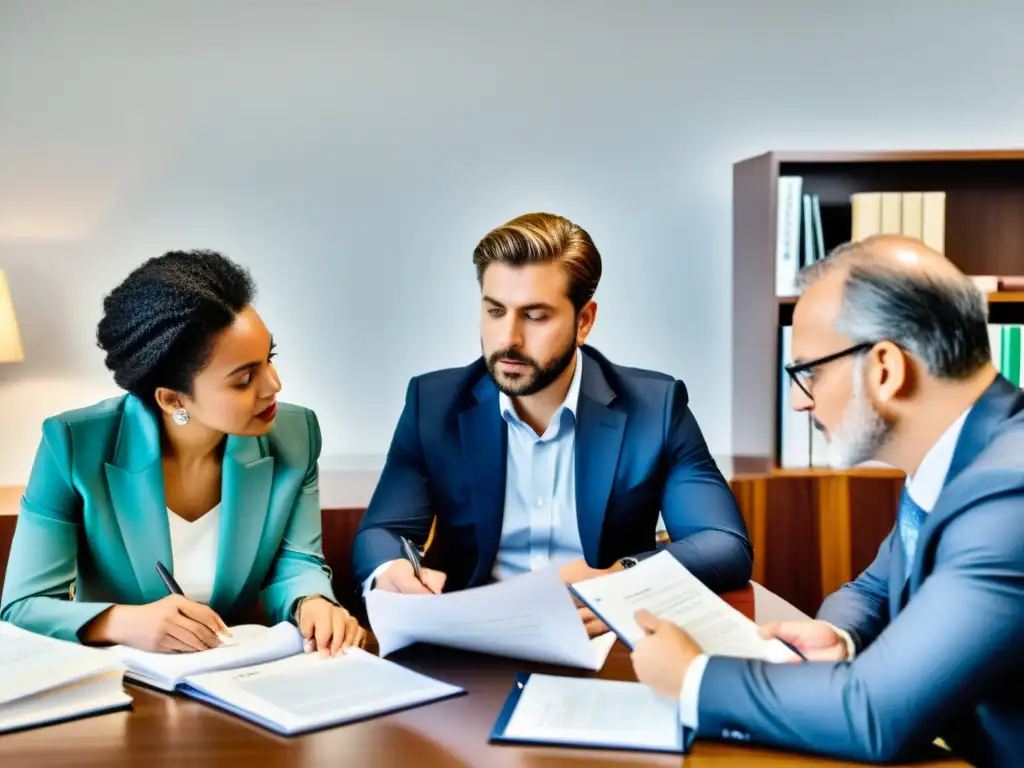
{"type": "Point", "coordinates": [802, 374]}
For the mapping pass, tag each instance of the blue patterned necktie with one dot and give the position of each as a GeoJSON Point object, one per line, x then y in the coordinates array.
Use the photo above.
{"type": "Point", "coordinates": [911, 518]}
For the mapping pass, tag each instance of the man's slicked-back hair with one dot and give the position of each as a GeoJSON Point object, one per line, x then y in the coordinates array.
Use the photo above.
{"type": "Point", "coordinates": [544, 237]}
{"type": "Point", "coordinates": [159, 325]}
{"type": "Point", "coordinates": [939, 317]}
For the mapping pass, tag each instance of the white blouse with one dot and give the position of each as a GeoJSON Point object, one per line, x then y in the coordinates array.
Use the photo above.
{"type": "Point", "coordinates": [194, 553]}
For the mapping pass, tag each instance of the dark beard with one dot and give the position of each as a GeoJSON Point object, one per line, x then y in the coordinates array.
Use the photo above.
{"type": "Point", "coordinates": [524, 384]}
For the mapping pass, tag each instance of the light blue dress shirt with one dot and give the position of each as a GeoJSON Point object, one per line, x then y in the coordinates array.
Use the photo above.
{"type": "Point", "coordinates": [539, 527]}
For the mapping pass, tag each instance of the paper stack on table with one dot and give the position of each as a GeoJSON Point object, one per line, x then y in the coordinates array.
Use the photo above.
{"type": "Point", "coordinates": [44, 680]}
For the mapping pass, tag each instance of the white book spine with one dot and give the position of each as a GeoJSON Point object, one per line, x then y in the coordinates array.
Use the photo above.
{"type": "Point", "coordinates": [795, 437]}
{"type": "Point", "coordinates": [787, 234]}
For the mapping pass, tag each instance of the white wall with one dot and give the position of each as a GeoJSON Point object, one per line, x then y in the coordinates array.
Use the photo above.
{"type": "Point", "coordinates": [352, 154]}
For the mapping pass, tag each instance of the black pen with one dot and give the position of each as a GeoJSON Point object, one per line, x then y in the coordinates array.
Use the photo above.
{"type": "Point", "coordinates": [413, 556]}
{"type": "Point", "coordinates": [793, 648]}
{"type": "Point", "coordinates": [174, 589]}
{"type": "Point", "coordinates": [168, 580]}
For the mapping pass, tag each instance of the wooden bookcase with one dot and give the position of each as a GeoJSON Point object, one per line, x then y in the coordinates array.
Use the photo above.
{"type": "Point", "coordinates": [815, 529]}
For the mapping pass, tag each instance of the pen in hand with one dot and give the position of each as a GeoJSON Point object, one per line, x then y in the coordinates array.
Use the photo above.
{"type": "Point", "coordinates": [168, 580]}
{"type": "Point", "coordinates": [413, 556]}
{"type": "Point", "coordinates": [223, 635]}
{"type": "Point", "coordinates": [793, 648]}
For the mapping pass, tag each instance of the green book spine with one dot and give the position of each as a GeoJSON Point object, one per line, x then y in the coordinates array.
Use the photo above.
{"type": "Point", "coordinates": [1011, 354]}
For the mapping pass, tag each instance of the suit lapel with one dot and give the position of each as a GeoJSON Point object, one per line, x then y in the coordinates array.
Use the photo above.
{"type": "Point", "coordinates": [985, 415]}
{"type": "Point", "coordinates": [599, 431]}
{"type": "Point", "coordinates": [246, 482]}
{"type": "Point", "coordinates": [135, 480]}
{"type": "Point", "coordinates": [989, 410]}
{"type": "Point", "coordinates": [484, 438]}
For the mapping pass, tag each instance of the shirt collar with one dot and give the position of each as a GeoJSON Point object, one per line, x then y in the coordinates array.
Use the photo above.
{"type": "Point", "coordinates": [570, 403]}
{"type": "Point", "coordinates": [926, 484]}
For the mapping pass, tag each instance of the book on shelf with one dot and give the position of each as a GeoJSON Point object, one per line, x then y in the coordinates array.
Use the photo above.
{"type": "Point", "coordinates": [801, 444]}
{"type": "Point", "coordinates": [799, 235]}
{"type": "Point", "coordinates": [921, 215]}
{"type": "Point", "coordinates": [997, 283]}
{"type": "Point", "coordinates": [787, 234]}
{"type": "Point", "coordinates": [1005, 344]}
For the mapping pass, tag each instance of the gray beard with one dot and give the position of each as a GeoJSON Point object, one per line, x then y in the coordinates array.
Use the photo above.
{"type": "Point", "coordinates": [862, 432]}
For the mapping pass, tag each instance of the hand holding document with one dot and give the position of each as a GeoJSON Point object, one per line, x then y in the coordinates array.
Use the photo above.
{"type": "Point", "coordinates": [44, 680]}
{"type": "Point", "coordinates": [581, 712]}
{"type": "Point", "coordinates": [529, 617]}
{"type": "Point", "coordinates": [663, 586]}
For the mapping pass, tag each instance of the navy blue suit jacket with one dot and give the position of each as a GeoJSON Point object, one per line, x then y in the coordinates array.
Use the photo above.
{"type": "Point", "coordinates": [939, 655]}
{"type": "Point", "coordinates": [639, 452]}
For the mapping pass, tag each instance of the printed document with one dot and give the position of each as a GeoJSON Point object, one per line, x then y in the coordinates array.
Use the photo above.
{"type": "Point", "coordinates": [304, 692]}
{"type": "Point", "coordinates": [571, 711]}
{"type": "Point", "coordinates": [663, 586]}
{"type": "Point", "coordinates": [531, 617]}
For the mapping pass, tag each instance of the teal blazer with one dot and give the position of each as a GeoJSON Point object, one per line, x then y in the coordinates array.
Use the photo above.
{"type": "Point", "coordinates": [94, 514]}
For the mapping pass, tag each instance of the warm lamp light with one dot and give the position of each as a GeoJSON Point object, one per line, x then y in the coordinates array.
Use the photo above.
{"type": "Point", "coordinates": [10, 339]}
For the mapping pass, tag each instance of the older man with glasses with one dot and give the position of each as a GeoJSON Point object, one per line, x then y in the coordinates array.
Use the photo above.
{"type": "Point", "coordinates": [892, 359]}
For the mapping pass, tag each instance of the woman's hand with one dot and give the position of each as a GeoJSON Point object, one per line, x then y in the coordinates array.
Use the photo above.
{"type": "Point", "coordinates": [174, 624]}
{"type": "Point", "coordinates": [328, 628]}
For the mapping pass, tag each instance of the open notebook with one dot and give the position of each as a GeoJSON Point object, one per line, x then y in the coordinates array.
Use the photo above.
{"type": "Point", "coordinates": [262, 674]}
{"type": "Point", "coordinates": [44, 681]}
{"type": "Point", "coordinates": [249, 644]}
{"type": "Point", "coordinates": [306, 692]}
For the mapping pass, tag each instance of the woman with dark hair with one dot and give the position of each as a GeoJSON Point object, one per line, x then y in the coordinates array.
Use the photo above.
{"type": "Point", "coordinates": [198, 468]}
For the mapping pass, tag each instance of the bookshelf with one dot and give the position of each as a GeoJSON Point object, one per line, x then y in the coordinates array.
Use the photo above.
{"type": "Point", "coordinates": [842, 516]}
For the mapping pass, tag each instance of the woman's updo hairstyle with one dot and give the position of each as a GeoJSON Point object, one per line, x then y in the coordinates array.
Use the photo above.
{"type": "Point", "coordinates": [159, 325]}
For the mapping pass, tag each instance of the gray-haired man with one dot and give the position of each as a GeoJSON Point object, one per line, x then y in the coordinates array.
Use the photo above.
{"type": "Point", "coordinates": [891, 355]}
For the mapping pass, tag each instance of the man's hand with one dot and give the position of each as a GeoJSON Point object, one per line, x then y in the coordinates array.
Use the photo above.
{"type": "Point", "coordinates": [578, 570]}
{"type": "Point", "coordinates": [591, 623]}
{"type": "Point", "coordinates": [662, 657]}
{"type": "Point", "coordinates": [400, 577]}
{"type": "Point", "coordinates": [817, 640]}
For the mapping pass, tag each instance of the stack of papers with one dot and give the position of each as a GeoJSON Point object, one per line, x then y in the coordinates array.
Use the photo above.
{"type": "Point", "coordinates": [44, 681]}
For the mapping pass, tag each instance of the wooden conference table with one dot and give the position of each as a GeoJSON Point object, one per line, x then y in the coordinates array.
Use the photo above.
{"type": "Point", "coordinates": [173, 730]}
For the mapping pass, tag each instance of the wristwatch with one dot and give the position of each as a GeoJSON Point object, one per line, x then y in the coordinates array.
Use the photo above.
{"type": "Point", "coordinates": [301, 600]}
{"type": "Point", "coordinates": [628, 562]}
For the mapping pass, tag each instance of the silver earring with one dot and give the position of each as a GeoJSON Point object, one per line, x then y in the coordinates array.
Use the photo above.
{"type": "Point", "coordinates": [180, 417]}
